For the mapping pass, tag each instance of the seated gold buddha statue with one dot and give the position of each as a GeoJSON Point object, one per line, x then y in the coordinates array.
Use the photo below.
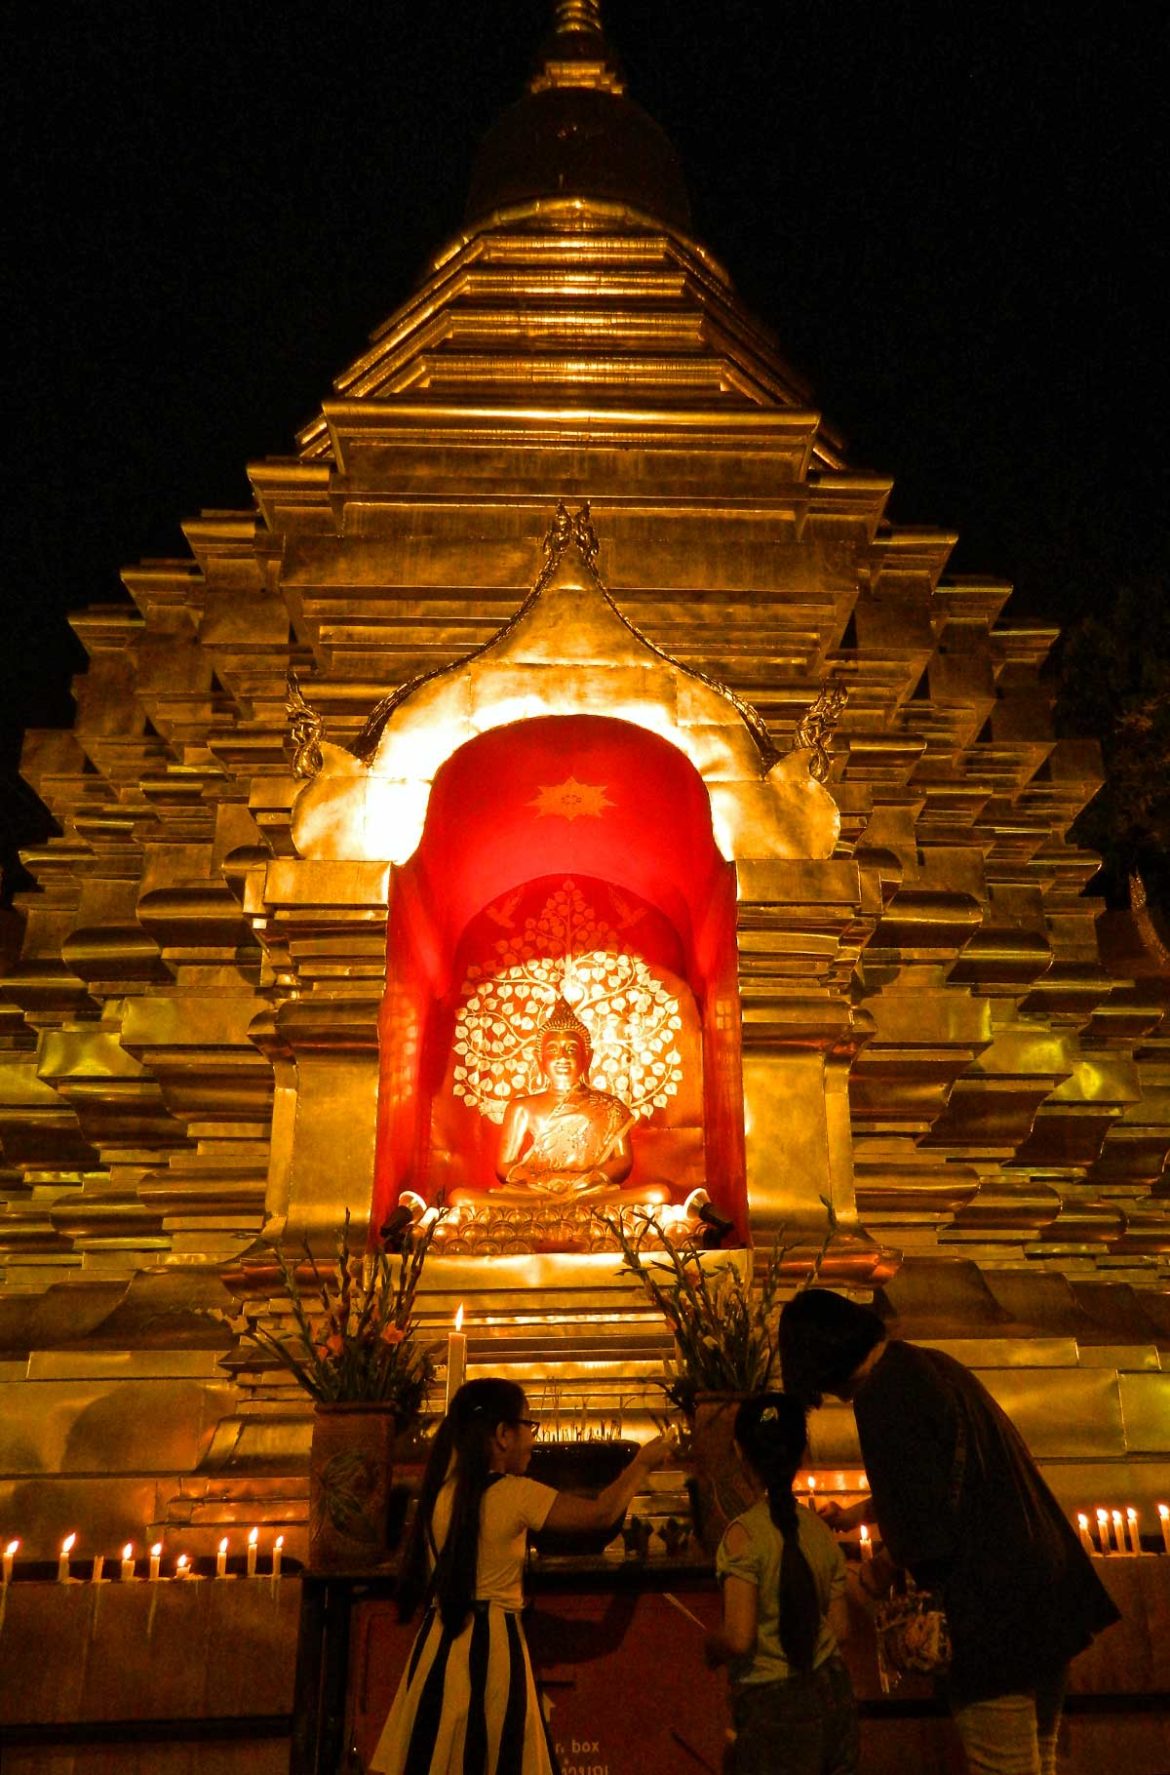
{"type": "Point", "coordinates": [568, 1141]}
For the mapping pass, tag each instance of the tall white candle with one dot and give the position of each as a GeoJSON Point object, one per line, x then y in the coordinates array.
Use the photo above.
{"type": "Point", "coordinates": [253, 1541]}
{"type": "Point", "coordinates": [277, 1550]}
{"type": "Point", "coordinates": [1083, 1532]}
{"type": "Point", "coordinates": [1103, 1530]}
{"type": "Point", "coordinates": [1164, 1525]}
{"type": "Point", "coordinates": [127, 1562]}
{"type": "Point", "coordinates": [1135, 1530]}
{"type": "Point", "coordinates": [10, 1553]}
{"type": "Point", "coordinates": [866, 1544]}
{"type": "Point", "coordinates": [63, 1559]}
{"type": "Point", "coordinates": [155, 1561]}
{"type": "Point", "coordinates": [221, 1559]}
{"type": "Point", "coordinates": [456, 1357]}
{"type": "Point", "coordinates": [1118, 1521]}
{"type": "Point", "coordinates": [99, 1560]}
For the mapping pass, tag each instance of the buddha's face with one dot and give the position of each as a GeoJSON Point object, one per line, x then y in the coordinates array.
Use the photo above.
{"type": "Point", "coordinates": [565, 1060]}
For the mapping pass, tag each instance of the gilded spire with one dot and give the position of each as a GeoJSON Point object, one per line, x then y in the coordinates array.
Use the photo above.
{"type": "Point", "coordinates": [577, 15]}
{"type": "Point", "coordinates": [577, 53]}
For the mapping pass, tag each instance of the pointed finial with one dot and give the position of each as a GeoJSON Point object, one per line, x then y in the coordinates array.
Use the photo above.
{"type": "Point", "coordinates": [577, 54]}
{"type": "Point", "coordinates": [577, 15]}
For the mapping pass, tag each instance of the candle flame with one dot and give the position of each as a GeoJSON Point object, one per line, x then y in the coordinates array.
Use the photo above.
{"type": "Point", "coordinates": [1131, 1514]}
{"type": "Point", "coordinates": [812, 1482]}
{"type": "Point", "coordinates": [1164, 1511]}
{"type": "Point", "coordinates": [278, 1543]}
{"type": "Point", "coordinates": [1082, 1519]}
{"type": "Point", "coordinates": [253, 1536]}
{"type": "Point", "coordinates": [1102, 1516]}
{"type": "Point", "coordinates": [459, 1318]}
{"type": "Point", "coordinates": [181, 1563]}
{"type": "Point", "coordinates": [156, 1550]}
{"type": "Point", "coordinates": [864, 1533]}
{"type": "Point", "coordinates": [128, 1550]}
{"type": "Point", "coordinates": [67, 1545]}
{"type": "Point", "coordinates": [223, 1546]}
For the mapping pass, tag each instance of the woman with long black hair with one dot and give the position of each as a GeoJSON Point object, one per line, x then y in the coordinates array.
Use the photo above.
{"type": "Point", "coordinates": [466, 1704]}
{"type": "Point", "coordinates": [783, 1581]}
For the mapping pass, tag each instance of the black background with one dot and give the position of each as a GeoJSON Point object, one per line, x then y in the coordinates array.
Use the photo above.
{"type": "Point", "coordinates": [953, 217]}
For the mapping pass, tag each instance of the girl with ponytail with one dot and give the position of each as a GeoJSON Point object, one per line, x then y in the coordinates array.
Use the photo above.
{"type": "Point", "coordinates": [783, 1581]}
{"type": "Point", "coordinates": [466, 1704]}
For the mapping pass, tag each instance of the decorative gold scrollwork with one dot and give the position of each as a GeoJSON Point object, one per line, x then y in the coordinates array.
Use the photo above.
{"type": "Point", "coordinates": [304, 730]}
{"type": "Point", "coordinates": [814, 730]}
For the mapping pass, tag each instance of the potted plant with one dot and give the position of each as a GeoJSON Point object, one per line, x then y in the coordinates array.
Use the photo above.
{"type": "Point", "coordinates": [724, 1328]}
{"type": "Point", "coordinates": [355, 1350]}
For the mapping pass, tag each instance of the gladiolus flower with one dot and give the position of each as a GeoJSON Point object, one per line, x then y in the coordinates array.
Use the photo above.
{"type": "Point", "coordinates": [392, 1334]}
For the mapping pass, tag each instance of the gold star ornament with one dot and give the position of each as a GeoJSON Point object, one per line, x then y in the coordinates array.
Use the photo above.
{"type": "Point", "coordinates": [571, 800]}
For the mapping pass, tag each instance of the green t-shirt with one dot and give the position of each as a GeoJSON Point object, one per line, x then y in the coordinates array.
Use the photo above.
{"type": "Point", "coordinates": [759, 1564]}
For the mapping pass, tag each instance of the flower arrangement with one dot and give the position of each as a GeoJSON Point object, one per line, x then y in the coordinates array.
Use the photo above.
{"type": "Point", "coordinates": [355, 1337]}
{"type": "Point", "coordinates": [724, 1327]}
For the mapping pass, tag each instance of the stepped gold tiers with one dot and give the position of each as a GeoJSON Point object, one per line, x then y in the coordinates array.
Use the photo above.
{"type": "Point", "coordinates": [611, 680]}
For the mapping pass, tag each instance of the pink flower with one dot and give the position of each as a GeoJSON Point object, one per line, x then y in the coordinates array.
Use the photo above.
{"type": "Point", "coordinates": [392, 1334]}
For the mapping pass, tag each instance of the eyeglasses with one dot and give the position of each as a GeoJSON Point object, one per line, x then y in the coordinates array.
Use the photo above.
{"type": "Point", "coordinates": [527, 1424]}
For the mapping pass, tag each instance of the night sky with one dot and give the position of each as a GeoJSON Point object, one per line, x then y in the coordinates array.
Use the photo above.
{"type": "Point", "coordinates": [953, 218]}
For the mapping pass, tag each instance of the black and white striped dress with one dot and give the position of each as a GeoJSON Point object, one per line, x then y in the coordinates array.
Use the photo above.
{"type": "Point", "coordinates": [467, 1703]}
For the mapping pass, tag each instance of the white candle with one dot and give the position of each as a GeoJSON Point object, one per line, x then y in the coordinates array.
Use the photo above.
{"type": "Point", "coordinates": [253, 1539]}
{"type": "Point", "coordinates": [155, 1561]}
{"type": "Point", "coordinates": [812, 1488]}
{"type": "Point", "coordinates": [63, 1559]}
{"type": "Point", "coordinates": [1135, 1532]}
{"type": "Point", "coordinates": [127, 1562]}
{"type": "Point", "coordinates": [1103, 1530]}
{"type": "Point", "coordinates": [1118, 1530]}
{"type": "Point", "coordinates": [182, 1566]}
{"type": "Point", "coordinates": [866, 1544]}
{"type": "Point", "coordinates": [1164, 1525]}
{"type": "Point", "coordinates": [1083, 1532]}
{"type": "Point", "coordinates": [456, 1357]}
{"type": "Point", "coordinates": [221, 1559]}
{"type": "Point", "coordinates": [10, 1560]}
{"type": "Point", "coordinates": [277, 1550]}
{"type": "Point", "coordinates": [99, 1560]}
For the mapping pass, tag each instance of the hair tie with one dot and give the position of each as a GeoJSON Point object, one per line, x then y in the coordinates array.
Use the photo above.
{"type": "Point", "coordinates": [769, 1415]}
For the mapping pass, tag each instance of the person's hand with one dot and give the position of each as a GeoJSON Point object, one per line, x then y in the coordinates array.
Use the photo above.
{"type": "Point", "coordinates": [654, 1453]}
{"type": "Point", "coordinates": [833, 1515]}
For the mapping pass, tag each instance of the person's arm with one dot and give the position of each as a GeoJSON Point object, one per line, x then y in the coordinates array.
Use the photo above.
{"type": "Point", "coordinates": [574, 1513]}
{"type": "Point", "coordinates": [741, 1604]}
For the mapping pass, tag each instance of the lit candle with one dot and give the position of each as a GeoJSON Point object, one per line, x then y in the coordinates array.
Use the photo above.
{"type": "Point", "coordinates": [221, 1559]}
{"type": "Point", "coordinates": [182, 1566]}
{"type": "Point", "coordinates": [1135, 1532]}
{"type": "Point", "coordinates": [10, 1560]}
{"type": "Point", "coordinates": [1083, 1532]}
{"type": "Point", "coordinates": [99, 1560]}
{"type": "Point", "coordinates": [456, 1357]}
{"type": "Point", "coordinates": [127, 1562]}
{"type": "Point", "coordinates": [277, 1550]}
{"type": "Point", "coordinates": [253, 1539]}
{"type": "Point", "coordinates": [63, 1560]}
{"type": "Point", "coordinates": [866, 1544]}
{"type": "Point", "coordinates": [1164, 1525]}
{"type": "Point", "coordinates": [812, 1488]}
{"type": "Point", "coordinates": [155, 1561]}
{"type": "Point", "coordinates": [1118, 1531]}
{"type": "Point", "coordinates": [1103, 1530]}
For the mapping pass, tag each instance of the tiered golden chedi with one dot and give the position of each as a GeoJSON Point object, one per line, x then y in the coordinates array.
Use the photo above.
{"type": "Point", "coordinates": [572, 582]}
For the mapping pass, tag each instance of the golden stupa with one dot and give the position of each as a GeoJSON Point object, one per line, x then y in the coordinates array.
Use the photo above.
{"type": "Point", "coordinates": [567, 648]}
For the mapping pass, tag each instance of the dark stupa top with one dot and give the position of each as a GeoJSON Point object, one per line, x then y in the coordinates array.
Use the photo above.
{"type": "Point", "coordinates": [576, 134]}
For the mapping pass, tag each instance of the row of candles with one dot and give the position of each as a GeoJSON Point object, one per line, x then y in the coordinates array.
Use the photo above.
{"type": "Point", "coordinates": [1118, 1532]}
{"type": "Point", "coordinates": [129, 1563]}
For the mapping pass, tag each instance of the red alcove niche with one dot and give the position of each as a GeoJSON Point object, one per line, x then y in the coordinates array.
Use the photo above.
{"type": "Point", "coordinates": [514, 816]}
